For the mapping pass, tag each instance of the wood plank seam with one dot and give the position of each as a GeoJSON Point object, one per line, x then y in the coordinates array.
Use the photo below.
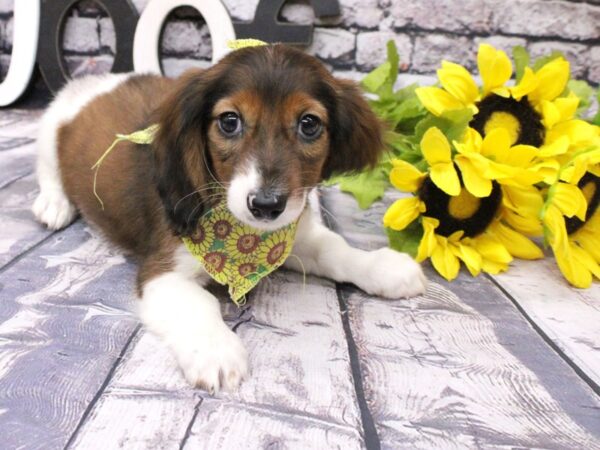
{"type": "Point", "coordinates": [22, 255]}
{"type": "Point", "coordinates": [188, 430]}
{"type": "Point", "coordinates": [370, 435]}
{"type": "Point", "coordinates": [103, 387]}
{"type": "Point", "coordinates": [578, 371]}
{"type": "Point", "coordinates": [14, 180]}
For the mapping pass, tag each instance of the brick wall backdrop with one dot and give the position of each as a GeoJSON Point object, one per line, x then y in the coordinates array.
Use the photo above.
{"type": "Point", "coordinates": [425, 31]}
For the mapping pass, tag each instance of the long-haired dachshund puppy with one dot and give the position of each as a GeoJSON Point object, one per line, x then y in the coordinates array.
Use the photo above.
{"type": "Point", "coordinates": [267, 124]}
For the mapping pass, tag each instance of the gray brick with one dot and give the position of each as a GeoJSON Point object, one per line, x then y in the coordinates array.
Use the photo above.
{"type": "Point", "coordinates": [361, 13]}
{"type": "Point", "coordinates": [7, 35]}
{"type": "Point", "coordinates": [300, 11]}
{"type": "Point", "coordinates": [241, 9]}
{"type": "Point", "coordinates": [333, 44]}
{"type": "Point", "coordinates": [7, 6]}
{"type": "Point", "coordinates": [108, 38]}
{"type": "Point", "coordinates": [173, 67]}
{"type": "Point", "coordinates": [79, 66]}
{"type": "Point", "coordinates": [594, 72]}
{"type": "Point", "coordinates": [81, 35]}
{"type": "Point", "coordinates": [432, 48]}
{"type": "Point", "coordinates": [547, 18]}
{"type": "Point", "coordinates": [577, 54]}
{"type": "Point", "coordinates": [185, 38]}
{"type": "Point", "coordinates": [371, 49]}
{"type": "Point", "coordinates": [448, 15]}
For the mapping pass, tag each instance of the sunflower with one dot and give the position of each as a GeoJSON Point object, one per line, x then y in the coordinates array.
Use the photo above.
{"type": "Point", "coordinates": [461, 202]}
{"type": "Point", "coordinates": [242, 241]}
{"type": "Point", "coordinates": [534, 111]}
{"type": "Point", "coordinates": [571, 217]}
{"type": "Point", "coordinates": [201, 240]}
{"type": "Point", "coordinates": [275, 249]}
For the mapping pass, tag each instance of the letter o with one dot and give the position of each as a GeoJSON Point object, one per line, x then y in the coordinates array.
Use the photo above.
{"type": "Point", "coordinates": [146, 43]}
{"type": "Point", "coordinates": [25, 44]}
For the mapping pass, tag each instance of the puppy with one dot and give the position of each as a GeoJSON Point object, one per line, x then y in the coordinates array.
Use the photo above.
{"type": "Point", "coordinates": [267, 124]}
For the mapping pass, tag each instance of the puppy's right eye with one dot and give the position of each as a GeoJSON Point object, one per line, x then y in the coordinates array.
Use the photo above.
{"type": "Point", "coordinates": [230, 124]}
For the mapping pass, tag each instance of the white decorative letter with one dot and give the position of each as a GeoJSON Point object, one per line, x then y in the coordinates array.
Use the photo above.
{"type": "Point", "coordinates": [146, 43]}
{"type": "Point", "coordinates": [24, 52]}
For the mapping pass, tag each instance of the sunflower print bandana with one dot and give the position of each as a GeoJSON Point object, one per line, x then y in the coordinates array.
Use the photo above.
{"type": "Point", "coordinates": [236, 254]}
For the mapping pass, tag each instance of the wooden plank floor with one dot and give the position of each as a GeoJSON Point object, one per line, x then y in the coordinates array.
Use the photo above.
{"type": "Point", "coordinates": [507, 361]}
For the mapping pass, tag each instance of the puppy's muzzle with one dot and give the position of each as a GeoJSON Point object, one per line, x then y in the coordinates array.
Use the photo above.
{"type": "Point", "coordinates": [266, 205]}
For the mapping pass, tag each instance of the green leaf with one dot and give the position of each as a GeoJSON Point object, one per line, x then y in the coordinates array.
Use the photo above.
{"type": "Point", "coordinates": [381, 80]}
{"type": "Point", "coordinates": [584, 91]}
{"type": "Point", "coordinates": [543, 60]}
{"type": "Point", "coordinates": [366, 187]}
{"type": "Point", "coordinates": [521, 58]}
{"type": "Point", "coordinates": [596, 119]}
{"type": "Point", "coordinates": [376, 78]}
{"type": "Point", "coordinates": [406, 240]}
{"type": "Point", "coordinates": [452, 123]}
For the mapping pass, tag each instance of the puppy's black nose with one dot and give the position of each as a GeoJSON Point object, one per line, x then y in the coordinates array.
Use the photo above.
{"type": "Point", "coordinates": [266, 204]}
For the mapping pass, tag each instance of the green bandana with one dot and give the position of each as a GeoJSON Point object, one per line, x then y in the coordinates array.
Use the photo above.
{"type": "Point", "coordinates": [232, 252]}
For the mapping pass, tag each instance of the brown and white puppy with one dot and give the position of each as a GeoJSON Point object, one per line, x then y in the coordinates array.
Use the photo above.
{"type": "Point", "coordinates": [267, 124]}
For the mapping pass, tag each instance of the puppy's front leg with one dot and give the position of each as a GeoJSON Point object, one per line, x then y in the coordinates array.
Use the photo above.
{"type": "Point", "coordinates": [382, 272]}
{"type": "Point", "coordinates": [189, 319]}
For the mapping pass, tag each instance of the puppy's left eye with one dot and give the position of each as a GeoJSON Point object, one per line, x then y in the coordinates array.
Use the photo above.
{"type": "Point", "coordinates": [310, 126]}
{"type": "Point", "coordinates": [230, 124]}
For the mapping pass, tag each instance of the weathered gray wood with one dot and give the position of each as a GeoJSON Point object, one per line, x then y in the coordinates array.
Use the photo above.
{"type": "Point", "coordinates": [18, 129]}
{"type": "Point", "coordinates": [137, 419]}
{"type": "Point", "coordinates": [64, 318]}
{"type": "Point", "coordinates": [300, 372]}
{"type": "Point", "coordinates": [226, 425]}
{"type": "Point", "coordinates": [19, 231]}
{"type": "Point", "coordinates": [568, 316]}
{"type": "Point", "coordinates": [460, 367]}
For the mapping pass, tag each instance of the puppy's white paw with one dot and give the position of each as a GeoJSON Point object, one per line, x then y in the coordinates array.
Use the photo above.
{"type": "Point", "coordinates": [212, 359]}
{"type": "Point", "coordinates": [53, 209]}
{"type": "Point", "coordinates": [392, 274]}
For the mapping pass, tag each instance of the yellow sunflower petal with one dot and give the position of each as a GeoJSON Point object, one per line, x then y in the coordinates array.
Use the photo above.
{"type": "Point", "coordinates": [437, 101]}
{"type": "Point", "coordinates": [490, 248]}
{"type": "Point", "coordinates": [567, 106]}
{"type": "Point", "coordinates": [435, 147]}
{"type": "Point", "coordinates": [556, 227]}
{"type": "Point", "coordinates": [405, 176]}
{"type": "Point", "coordinates": [573, 270]}
{"type": "Point", "coordinates": [444, 260]}
{"type": "Point", "coordinates": [428, 241]}
{"type": "Point", "coordinates": [559, 147]}
{"type": "Point", "coordinates": [550, 114]}
{"type": "Point", "coordinates": [552, 79]}
{"type": "Point", "coordinates": [470, 257]}
{"type": "Point", "coordinates": [530, 226]}
{"type": "Point", "coordinates": [569, 199]}
{"type": "Point", "coordinates": [496, 145]}
{"type": "Point", "coordinates": [589, 241]}
{"type": "Point", "coordinates": [527, 84]}
{"type": "Point", "coordinates": [457, 81]}
{"type": "Point", "coordinates": [403, 212]}
{"type": "Point", "coordinates": [494, 66]}
{"type": "Point", "coordinates": [516, 244]}
{"type": "Point", "coordinates": [445, 177]}
{"type": "Point", "coordinates": [472, 176]}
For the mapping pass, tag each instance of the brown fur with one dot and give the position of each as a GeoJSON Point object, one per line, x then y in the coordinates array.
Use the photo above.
{"type": "Point", "coordinates": [154, 193]}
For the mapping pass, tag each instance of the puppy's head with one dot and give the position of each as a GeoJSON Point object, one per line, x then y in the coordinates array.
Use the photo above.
{"type": "Point", "coordinates": [262, 127]}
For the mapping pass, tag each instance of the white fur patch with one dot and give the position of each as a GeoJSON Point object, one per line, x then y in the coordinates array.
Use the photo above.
{"type": "Point", "coordinates": [52, 207]}
{"type": "Point", "coordinates": [189, 319]}
{"type": "Point", "coordinates": [249, 180]}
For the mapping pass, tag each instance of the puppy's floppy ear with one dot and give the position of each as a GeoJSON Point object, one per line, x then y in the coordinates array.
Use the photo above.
{"type": "Point", "coordinates": [182, 162]}
{"type": "Point", "coordinates": [355, 131]}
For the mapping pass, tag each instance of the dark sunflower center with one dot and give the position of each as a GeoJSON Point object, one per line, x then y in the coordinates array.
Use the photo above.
{"type": "Point", "coordinates": [590, 186]}
{"type": "Point", "coordinates": [519, 118]}
{"type": "Point", "coordinates": [464, 212]}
